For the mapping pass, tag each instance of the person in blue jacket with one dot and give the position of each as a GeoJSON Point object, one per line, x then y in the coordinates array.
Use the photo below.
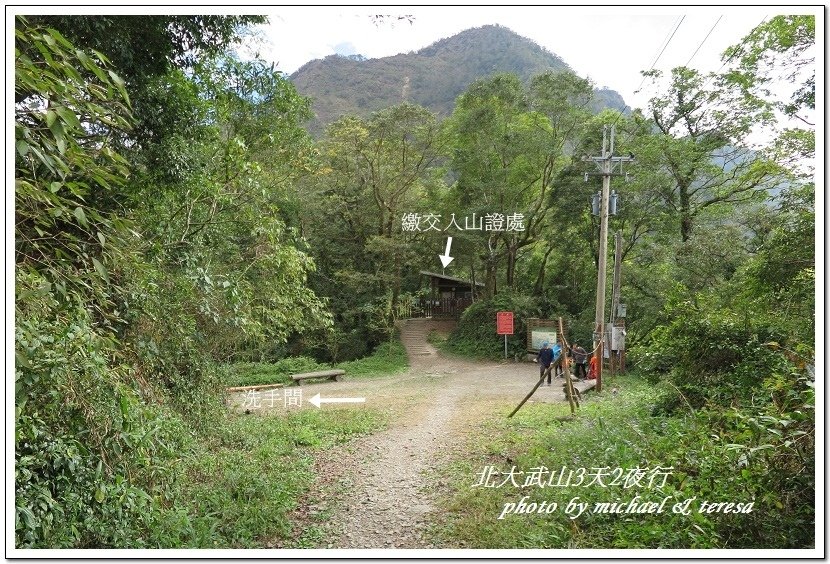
{"type": "Point", "coordinates": [557, 351]}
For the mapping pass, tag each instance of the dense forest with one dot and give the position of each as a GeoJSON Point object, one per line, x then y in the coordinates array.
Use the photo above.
{"type": "Point", "coordinates": [174, 218]}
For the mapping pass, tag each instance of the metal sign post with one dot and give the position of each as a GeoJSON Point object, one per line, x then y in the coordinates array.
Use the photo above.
{"type": "Point", "coordinates": [504, 326]}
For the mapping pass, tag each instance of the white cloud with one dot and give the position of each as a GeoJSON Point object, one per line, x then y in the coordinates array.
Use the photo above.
{"type": "Point", "coordinates": [345, 48]}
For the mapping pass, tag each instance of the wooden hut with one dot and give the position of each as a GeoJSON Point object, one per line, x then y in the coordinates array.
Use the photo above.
{"type": "Point", "coordinates": [449, 296]}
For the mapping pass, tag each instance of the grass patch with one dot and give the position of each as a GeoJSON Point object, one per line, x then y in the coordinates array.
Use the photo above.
{"type": "Point", "coordinates": [388, 359]}
{"type": "Point", "coordinates": [438, 339]}
{"type": "Point", "coordinates": [259, 373]}
{"type": "Point", "coordinates": [238, 488]}
{"type": "Point", "coordinates": [609, 432]}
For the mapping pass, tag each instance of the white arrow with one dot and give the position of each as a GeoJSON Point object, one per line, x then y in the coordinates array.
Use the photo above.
{"type": "Point", "coordinates": [317, 400]}
{"type": "Point", "coordinates": [446, 258]}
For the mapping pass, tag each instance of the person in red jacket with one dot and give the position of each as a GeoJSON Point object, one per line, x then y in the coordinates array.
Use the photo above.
{"type": "Point", "coordinates": [592, 368]}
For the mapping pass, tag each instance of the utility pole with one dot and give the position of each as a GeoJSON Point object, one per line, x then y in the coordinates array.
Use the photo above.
{"type": "Point", "coordinates": [615, 296]}
{"type": "Point", "coordinates": [607, 163]}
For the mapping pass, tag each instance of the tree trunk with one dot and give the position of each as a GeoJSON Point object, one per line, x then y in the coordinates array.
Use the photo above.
{"type": "Point", "coordinates": [685, 213]}
{"type": "Point", "coordinates": [489, 279]}
{"type": "Point", "coordinates": [512, 251]}
{"type": "Point", "coordinates": [389, 224]}
{"type": "Point", "coordinates": [539, 286]}
{"type": "Point", "coordinates": [473, 289]}
{"type": "Point", "coordinates": [491, 269]}
{"type": "Point", "coordinates": [396, 285]}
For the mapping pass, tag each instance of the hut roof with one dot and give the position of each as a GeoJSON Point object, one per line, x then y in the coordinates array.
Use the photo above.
{"type": "Point", "coordinates": [450, 278]}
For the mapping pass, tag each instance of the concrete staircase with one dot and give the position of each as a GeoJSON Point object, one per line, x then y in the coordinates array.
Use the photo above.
{"type": "Point", "coordinates": [414, 334]}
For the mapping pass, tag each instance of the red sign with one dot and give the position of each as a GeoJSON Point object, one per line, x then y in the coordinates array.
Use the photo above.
{"type": "Point", "coordinates": [504, 323]}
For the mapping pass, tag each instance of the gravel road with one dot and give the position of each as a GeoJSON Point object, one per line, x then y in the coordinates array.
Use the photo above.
{"type": "Point", "coordinates": [381, 489]}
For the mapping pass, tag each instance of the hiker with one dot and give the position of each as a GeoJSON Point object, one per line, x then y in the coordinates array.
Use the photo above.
{"type": "Point", "coordinates": [557, 362]}
{"type": "Point", "coordinates": [592, 368]}
{"type": "Point", "coordinates": [580, 359]}
{"type": "Point", "coordinates": [545, 358]}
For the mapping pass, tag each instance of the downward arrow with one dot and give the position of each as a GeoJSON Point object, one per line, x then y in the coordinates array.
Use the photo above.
{"type": "Point", "coordinates": [446, 258]}
{"type": "Point", "coordinates": [317, 400]}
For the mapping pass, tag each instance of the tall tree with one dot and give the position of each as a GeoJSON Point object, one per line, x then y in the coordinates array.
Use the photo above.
{"type": "Point", "coordinates": [780, 50]}
{"type": "Point", "coordinates": [699, 147]}
{"type": "Point", "coordinates": [510, 143]}
{"type": "Point", "coordinates": [775, 65]}
{"type": "Point", "coordinates": [492, 128]}
{"type": "Point", "coordinates": [222, 209]}
{"type": "Point", "coordinates": [144, 46]}
{"type": "Point", "coordinates": [373, 173]}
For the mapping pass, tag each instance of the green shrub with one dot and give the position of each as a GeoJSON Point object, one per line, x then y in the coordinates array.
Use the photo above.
{"type": "Point", "coordinates": [90, 452]}
{"type": "Point", "coordinates": [389, 358]}
{"type": "Point", "coordinates": [476, 332]}
{"type": "Point", "coordinates": [759, 455]}
{"type": "Point", "coordinates": [256, 373]}
{"type": "Point", "coordinates": [710, 354]}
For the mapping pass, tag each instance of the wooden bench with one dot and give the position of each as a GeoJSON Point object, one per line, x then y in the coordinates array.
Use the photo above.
{"type": "Point", "coordinates": [331, 374]}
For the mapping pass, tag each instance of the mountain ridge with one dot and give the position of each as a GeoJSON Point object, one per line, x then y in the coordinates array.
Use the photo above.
{"type": "Point", "coordinates": [432, 77]}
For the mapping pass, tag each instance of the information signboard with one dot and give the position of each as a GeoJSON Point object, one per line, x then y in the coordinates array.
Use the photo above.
{"type": "Point", "coordinates": [504, 323]}
{"type": "Point", "coordinates": [540, 335]}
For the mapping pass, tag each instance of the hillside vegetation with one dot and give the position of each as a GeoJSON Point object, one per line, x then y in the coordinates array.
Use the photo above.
{"type": "Point", "coordinates": [177, 230]}
{"type": "Point", "coordinates": [432, 77]}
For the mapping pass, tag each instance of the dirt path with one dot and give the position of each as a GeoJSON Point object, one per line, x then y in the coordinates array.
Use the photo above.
{"type": "Point", "coordinates": [390, 502]}
{"type": "Point", "coordinates": [383, 485]}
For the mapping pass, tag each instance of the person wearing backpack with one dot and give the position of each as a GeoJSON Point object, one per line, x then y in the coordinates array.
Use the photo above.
{"type": "Point", "coordinates": [557, 362]}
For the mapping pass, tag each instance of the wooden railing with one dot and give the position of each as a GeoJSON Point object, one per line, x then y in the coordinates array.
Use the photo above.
{"type": "Point", "coordinates": [441, 307]}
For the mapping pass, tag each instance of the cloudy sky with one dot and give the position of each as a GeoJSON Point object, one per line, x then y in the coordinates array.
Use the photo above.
{"type": "Point", "coordinates": [608, 44]}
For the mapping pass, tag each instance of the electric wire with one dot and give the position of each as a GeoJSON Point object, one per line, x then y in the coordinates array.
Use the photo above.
{"type": "Point", "coordinates": [663, 50]}
{"type": "Point", "coordinates": [704, 41]}
{"type": "Point", "coordinates": [667, 43]}
{"type": "Point", "coordinates": [735, 53]}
